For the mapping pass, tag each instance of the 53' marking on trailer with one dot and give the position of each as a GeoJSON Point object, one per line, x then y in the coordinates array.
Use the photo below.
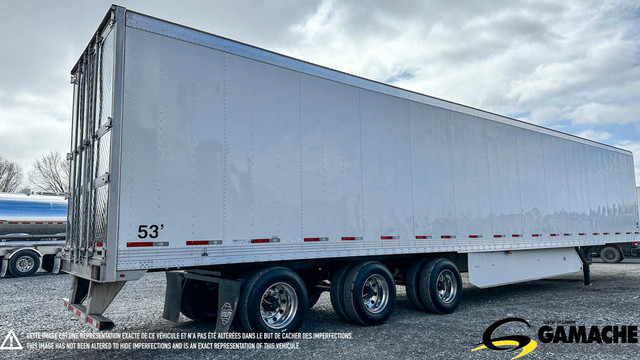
{"type": "Point", "coordinates": [151, 231]}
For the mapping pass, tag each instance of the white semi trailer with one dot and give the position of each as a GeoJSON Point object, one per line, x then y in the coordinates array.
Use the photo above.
{"type": "Point", "coordinates": [256, 181]}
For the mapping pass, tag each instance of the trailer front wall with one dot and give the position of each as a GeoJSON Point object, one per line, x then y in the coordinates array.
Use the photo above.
{"type": "Point", "coordinates": [223, 148]}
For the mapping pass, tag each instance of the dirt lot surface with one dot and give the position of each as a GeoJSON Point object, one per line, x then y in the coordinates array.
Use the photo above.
{"type": "Point", "coordinates": [32, 308]}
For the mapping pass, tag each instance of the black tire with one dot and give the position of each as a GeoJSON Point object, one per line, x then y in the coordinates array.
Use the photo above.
{"type": "Point", "coordinates": [285, 287]}
{"type": "Point", "coordinates": [611, 254]}
{"type": "Point", "coordinates": [314, 296]}
{"type": "Point", "coordinates": [199, 301]}
{"type": "Point", "coordinates": [24, 263]}
{"type": "Point", "coordinates": [373, 282]}
{"type": "Point", "coordinates": [47, 263]}
{"type": "Point", "coordinates": [337, 291]}
{"type": "Point", "coordinates": [412, 284]}
{"type": "Point", "coordinates": [446, 302]}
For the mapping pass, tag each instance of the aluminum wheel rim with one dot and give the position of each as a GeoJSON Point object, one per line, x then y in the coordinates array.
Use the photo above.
{"type": "Point", "coordinates": [375, 294]}
{"type": "Point", "coordinates": [25, 263]}
{"type": "Point", "coordinates": [447, 286]}
{"type": "Point", "coordinates": [279, 305]}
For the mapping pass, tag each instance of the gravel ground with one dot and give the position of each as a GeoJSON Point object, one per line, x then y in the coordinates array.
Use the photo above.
{"type": "Point", "coordinates": [32, 306]}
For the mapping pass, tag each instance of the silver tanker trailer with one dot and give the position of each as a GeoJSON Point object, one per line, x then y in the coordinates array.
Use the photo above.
{"type": "Point", "coordinates": [32, 233]}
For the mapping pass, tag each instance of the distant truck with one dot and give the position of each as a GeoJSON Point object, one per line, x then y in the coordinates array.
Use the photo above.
{"type": "Point", "coordinates": [616, 252]}
{"type": "Point", "coordinates": [256, 181]}
{"type": "Point", "coordinates": [32, 233]}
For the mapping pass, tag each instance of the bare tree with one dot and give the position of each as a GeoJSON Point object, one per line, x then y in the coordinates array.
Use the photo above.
{"type": "Point", "coordinates": [10, 175]}
{"type": "Point", "coordinates": [50, 173]}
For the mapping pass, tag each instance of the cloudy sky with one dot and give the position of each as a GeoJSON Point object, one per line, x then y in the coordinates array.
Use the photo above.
{"type": "Point", "coordinates": [573, 66]}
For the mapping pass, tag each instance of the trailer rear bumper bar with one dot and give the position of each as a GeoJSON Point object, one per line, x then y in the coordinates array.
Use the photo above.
{"type": "Point", "coordinates": [98, 322]}
{"type": "Point", "coordinates": [98, 297]}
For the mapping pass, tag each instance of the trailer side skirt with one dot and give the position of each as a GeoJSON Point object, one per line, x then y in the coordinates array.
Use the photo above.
{"type": "Point", "coordinates": [488, 269]}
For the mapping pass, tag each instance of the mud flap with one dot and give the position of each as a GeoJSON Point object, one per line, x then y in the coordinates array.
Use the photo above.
{"type": "Point", "coordinates": [56, 265]}
{"type": "Point", "coordinates": [172, 297]}
{"type": "Point", "coordinates": [3, 267]}
{"type": "Point", "coordinates": [228, 294]}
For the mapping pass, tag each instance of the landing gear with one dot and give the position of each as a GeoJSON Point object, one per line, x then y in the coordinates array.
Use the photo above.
{"type": "Point", "coordinates": [585, 253]}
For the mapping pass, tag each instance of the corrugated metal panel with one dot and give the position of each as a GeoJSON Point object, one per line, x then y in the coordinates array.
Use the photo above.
{"type": "Point", "coordinates": [216, 145]}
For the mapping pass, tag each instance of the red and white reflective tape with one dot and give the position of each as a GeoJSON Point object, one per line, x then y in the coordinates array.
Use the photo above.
{"type": "Point", "coordinates": [93, 322]}
{"type": "Point", "coordinates": [147, 243]}
{"type": "Point", "coordinates": [314, 239]}
{"type": "Point", "coordinates": [319, 239]}
{"type": "Point", "coordinates": [265, 241]}
{"type": "Point", "coordinates": [77, 312]}
{"type": "Point", "coordinates": [352, 238]}
{"type": "Point", "coordinates": [203, 242]}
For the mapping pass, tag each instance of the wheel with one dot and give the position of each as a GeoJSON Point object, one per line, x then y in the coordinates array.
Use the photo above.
{"type": "Point", "coordinates": [337, 291]}
{"type": "Point", "coordinates": [47, 263]}
{"type": "Point", "coordinates": [314, 296]}
{"type": "Point", "coordinates": [273, 300]}
{"type": "Point", "coordinates": [412, 284]}
{"type": "Point", "coordinates": [611, 254]}
{"type": "Point", "coordinates": [369, 293]}
{"type": "Point", "coordinates": [24, 263]}
{"type": "Point", "coordinates": [199, 301]}
{"type": "Point", "coordinates": [440, 286]}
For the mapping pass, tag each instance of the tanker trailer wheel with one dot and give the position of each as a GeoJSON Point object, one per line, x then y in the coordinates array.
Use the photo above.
{"type": "Point", "coordinates": [412, 284]}
{"type": "Point", "coordinates": [337, 291]}
{"type": "Point", "coordinates": [440, 286]}
{"type": "Point", "coordinates": [24, 263]}
{"type": "Point", "coordinates": [272, 300]}
{"type": "Point", "coordinates": [199, 301]}
{"type": "Point", "coordinates": [369, 293]}
{"type": "Point", "coordinates": [611, 254]}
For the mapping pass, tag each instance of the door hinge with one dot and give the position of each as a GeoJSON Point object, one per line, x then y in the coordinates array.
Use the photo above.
{"type": "Point", "coordinates": [101, 180]}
